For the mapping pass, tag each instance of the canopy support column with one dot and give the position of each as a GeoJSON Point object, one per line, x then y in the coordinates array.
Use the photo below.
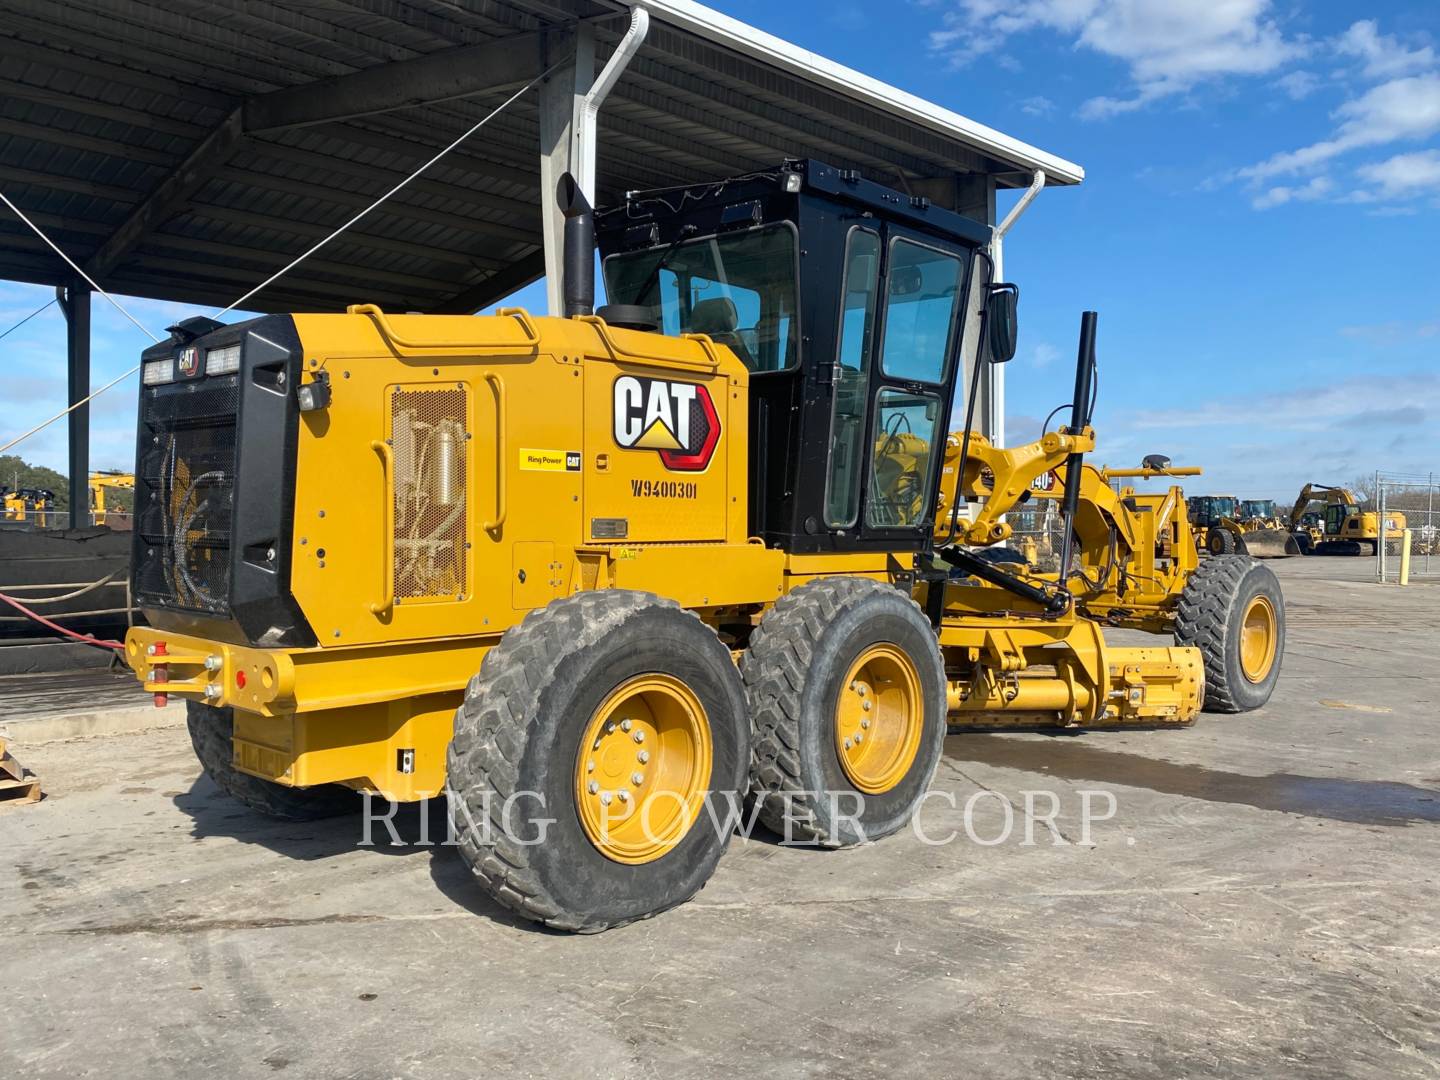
{"type": "Point", "coordinates": [75, 303]}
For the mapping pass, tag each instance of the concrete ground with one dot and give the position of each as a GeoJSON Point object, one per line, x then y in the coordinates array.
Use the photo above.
{"type": "Point", "coordinates": [1262, 903]}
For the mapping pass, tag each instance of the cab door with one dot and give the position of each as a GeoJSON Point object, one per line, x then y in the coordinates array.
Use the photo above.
{"type": "Point", "coordinates": [903, 294]}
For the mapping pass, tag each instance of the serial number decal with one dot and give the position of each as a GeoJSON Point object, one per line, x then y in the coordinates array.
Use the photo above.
{"type": "Point", "coordinates": [664, 489]}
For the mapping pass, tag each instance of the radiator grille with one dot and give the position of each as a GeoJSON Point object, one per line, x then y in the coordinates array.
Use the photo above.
{"type": "Point", "coordinates": [429, 440]}
{"type": "Point", "coordinates": [184, 492]}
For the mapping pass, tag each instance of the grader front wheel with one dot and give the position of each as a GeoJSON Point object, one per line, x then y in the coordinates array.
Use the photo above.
{"type": "Point", "coordinates": [584, 755]}
{"type": "Point", "coordinates": [1232, 610]}
{"type": "Point", "coordinates": [847, 698]}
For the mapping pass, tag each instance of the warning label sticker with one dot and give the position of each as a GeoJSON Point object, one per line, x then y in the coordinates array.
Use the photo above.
{"type": "Point", "coordinates": [549, 460]}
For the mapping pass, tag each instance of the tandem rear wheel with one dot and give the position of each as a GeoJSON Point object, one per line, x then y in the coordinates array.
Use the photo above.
{"type": "Point", "coordinates": [599, 759]}
{"type": "Point", "coordinates": [847, 699]}
{"type": "Point", "coordinates": [212, 734]}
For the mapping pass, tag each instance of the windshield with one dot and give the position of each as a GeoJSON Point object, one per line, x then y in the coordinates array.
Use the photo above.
{"type": "Point", "coordinates": [739, 288]}
{"type": "Point", "coordinates": [1258, 508]}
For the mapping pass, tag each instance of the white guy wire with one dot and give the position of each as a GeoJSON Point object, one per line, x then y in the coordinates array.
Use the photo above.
{"type": "Point", "coordinates": [279, 273]}
{"type": "Point", "coordinates": [113, 302]}
{"type": "Point", "coordinates": [470, 131]}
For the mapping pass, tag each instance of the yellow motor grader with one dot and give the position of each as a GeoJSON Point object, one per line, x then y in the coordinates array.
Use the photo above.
{"type": "Point", "coordinates": [599, 578]}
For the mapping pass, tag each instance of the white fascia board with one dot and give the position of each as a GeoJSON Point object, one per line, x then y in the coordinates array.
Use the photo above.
{"type": "Point", "coordinates": [733, 34]}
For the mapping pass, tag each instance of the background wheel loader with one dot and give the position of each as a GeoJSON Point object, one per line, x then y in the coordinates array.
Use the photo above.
{"type": "Point", "coordinates": [1227, 525]}
{"type": "Point", "coordinates": [1341, 527]}
{"type": "Point", "coordinates": [559, 535]}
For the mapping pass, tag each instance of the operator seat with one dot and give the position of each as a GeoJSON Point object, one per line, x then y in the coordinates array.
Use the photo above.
{"type": "Point", "coordinates": [718, 319]}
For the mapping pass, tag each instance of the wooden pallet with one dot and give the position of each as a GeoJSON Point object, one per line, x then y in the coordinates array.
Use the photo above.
{"type": "Point", "coordinates": [17, 783]}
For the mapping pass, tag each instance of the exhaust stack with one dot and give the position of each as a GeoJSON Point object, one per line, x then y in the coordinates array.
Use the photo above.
{"type": "Point", "coordinates": [579, 251]}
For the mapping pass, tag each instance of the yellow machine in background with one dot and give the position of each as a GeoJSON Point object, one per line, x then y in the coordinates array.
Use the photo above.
{"type": "Point", "coordinates": [598, 577]}
{"type": "Point", "coordinates": [1343, 528]}
{"type": "Point", "coordinates": [100, 484]}
{"type": "Point", "coordinates": [1226, 525]}
{"type": "Point", "coordinates": [34, 506]}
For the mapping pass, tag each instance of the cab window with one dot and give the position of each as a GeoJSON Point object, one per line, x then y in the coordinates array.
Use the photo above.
{"type": "Point", "coordinates": [852, 379]}
{"type": "Point", "coordinates": [922, 295]}
{"type": "Point", "coordinates": [738, 288]}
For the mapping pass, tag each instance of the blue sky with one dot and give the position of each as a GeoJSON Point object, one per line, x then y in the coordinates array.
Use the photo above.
{"type": "Point", "coordinates": [1259, 227]}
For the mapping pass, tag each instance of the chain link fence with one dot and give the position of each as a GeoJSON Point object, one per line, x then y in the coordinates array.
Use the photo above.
{"type": "Point", "coordinates": [1416, 497]}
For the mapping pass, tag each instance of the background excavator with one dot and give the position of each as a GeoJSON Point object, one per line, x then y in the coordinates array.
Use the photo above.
{"type": "Point", "coordinates": [1344, 529]}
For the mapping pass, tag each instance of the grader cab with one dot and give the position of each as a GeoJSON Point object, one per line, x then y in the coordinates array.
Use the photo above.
{"type": "Point", "coordinates": [602, 578]}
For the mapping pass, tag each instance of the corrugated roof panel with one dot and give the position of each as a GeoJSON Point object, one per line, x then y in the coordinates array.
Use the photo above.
{"type": "Point", "coordinates": [102, 100]}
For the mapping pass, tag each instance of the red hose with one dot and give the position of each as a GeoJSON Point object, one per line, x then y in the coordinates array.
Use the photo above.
{"type": "Point", "coordinates": [85, 638]}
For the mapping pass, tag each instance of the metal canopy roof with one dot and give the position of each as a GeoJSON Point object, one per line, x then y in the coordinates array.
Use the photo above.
{"type": "Point", "coordinates": [185, 149]}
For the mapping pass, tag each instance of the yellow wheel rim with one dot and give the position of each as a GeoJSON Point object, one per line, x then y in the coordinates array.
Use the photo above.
{"type": "Point", "coordinates": [879, 719]}
{"type": "Point", "coordinates": [1257, 639]}
{"type": "Point", "coordinates": [643, 768]}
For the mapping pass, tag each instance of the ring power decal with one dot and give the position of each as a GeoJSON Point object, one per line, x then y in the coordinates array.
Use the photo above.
{"type": "Point", "coordinates": [675, 419]}
{"type": "Point", "coordinates": [549, 460]}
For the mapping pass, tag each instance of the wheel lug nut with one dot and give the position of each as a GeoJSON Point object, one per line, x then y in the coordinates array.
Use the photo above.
{"type": "Point", "coordinates": [859, 735]}
{"type": "Point", "coordinates": [624, 795]}
{"type": "Point", "coordinates": [637, 778]}
{"type": "Point", "coordinates": [847, 744]}
{"type": "Point", "coordinates": [625, 725]}
{"type": "Point", "coordinates": [643, 757]}
{"type": "Point", "coordinates": [589, 766]}
{"type": "Point", "coordinates": [865, 705]}
{"type": "Point", "coordinates": [592, 787]}
{"type": "Point", "coordinates": [855, 686]}
{"type": "Point", "coordinates": [864, 723]}
{"type": "Point", "coordinates": [605, 798]}
{"type": "Point", "coordinates": [639, 736]}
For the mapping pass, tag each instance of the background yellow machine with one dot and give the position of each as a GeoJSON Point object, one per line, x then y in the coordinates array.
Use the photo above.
{"type": "Point", "coordinates": [110, 498]}
{"type": "Point", "coordinates": [1225, 525]}
{"type": "Point", "coordinates": [600, 578]}
{"type": "Point", "coordinates": [1343, 528]}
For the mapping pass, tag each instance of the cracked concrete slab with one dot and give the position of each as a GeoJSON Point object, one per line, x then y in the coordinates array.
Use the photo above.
{"type": "Point", "coordinates": [1260, 904]}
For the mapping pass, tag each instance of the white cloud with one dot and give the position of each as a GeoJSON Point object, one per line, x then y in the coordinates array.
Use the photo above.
{"type": "Point", "coordinates": [1404, 174]}
{"type": "Point", "coordinates": [1384, 56]}
{"type": "Point", "coordinates": [1298, 85]}
{"type": "Point", "coordinates": [1317, 188]}
{"type": "Point", "coordinates": [1402, 400]}
{"type": "Point", "coordinates": [1044, 354]}
{"type": "Point", "coordinates": [1169, 45]}
{"type": "Point", "coordinates": [1037, 106]}
{"type": "Point", "coordinates": [1392, 333]}
{"type": "Point", "coordinates": [1401, 109]}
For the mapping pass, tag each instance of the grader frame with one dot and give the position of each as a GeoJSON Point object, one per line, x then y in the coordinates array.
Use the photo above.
{"type": "Point", "coordinates": [558, 534]}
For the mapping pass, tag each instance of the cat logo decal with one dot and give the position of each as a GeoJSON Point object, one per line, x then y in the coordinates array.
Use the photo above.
{"type": "Point", "coordinates": [675, 419]}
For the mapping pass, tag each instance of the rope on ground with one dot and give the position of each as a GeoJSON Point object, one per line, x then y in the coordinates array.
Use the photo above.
{"type": "Point", "coordinates": [84, 639]}
{"type": "Point", "coordinates": [106, 580]}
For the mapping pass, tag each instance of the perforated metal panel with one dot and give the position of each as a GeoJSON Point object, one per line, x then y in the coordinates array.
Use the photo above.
{"type": "Point", "coordinates": [184, 488]}
{"type": "Point", "coordinates": [429, 439]}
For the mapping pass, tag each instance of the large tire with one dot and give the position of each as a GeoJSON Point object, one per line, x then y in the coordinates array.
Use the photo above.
{"type": "Point", "coordinates": [212, 732]}
{"type": "Point", "coordinates": [1233, 611]}
{"type": "Point", "coordinates": [795, 672]}
{"type": "Point", "coordinates": [520, 730]}
{"type": "Point", "coordinates": [1220, 541]}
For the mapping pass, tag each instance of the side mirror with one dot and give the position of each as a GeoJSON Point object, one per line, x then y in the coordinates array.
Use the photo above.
{"type": "Point", "coordinates": [1002, 327]}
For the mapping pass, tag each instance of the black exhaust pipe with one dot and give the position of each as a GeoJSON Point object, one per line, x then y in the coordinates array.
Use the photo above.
{"type": "Point", "coordinates": [1081, 408]}
{"type": "Point", "coordinates": [579, 253]}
